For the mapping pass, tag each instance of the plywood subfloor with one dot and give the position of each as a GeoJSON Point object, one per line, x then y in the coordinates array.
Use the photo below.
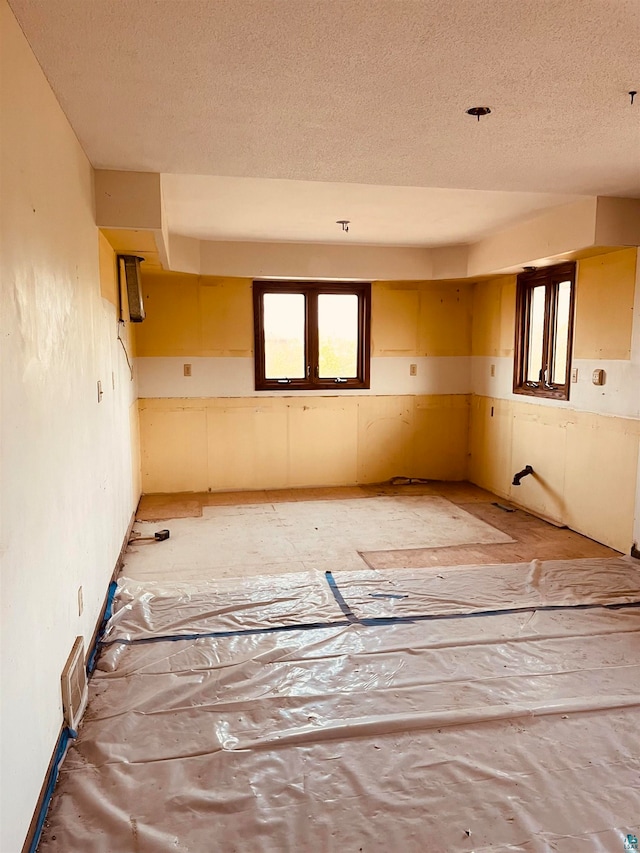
{"type": "Point", "coordinates": [290, 536]}
{"type": "Point", "coordinates": [532, 537]}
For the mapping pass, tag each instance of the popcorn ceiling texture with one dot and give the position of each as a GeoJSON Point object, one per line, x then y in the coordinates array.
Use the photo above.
{"type": "Point", "coordinates": [369, 91]}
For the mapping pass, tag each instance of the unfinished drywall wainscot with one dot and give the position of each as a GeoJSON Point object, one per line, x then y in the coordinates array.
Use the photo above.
{"type": "Point", "coordinates": [585, 450]}
{"type": "Point", "coordinates": [278, 442]}
{"type": "Point", "coordinates": [67, 486]}
{"type": "Point", "coordinates": [211, 430]}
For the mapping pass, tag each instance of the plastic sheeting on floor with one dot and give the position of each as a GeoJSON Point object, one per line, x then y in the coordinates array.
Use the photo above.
{"type": "Point", "coordinates": [516, 731]}
{"type": "Point", "coordinates": [377, 594]}
{"type": "Point", "coordinates": [152, 608]}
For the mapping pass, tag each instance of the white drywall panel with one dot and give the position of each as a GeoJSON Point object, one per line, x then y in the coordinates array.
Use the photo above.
{"type": "Point", "coordinates": [234, 377]}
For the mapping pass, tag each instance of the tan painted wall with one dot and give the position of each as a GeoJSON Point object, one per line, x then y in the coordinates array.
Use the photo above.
{"type": "Point", "coordinates": [247, 440]}
{"type": "Point", "coordinates": [585, 461]}
{"type": "Point", "coordinates": [585, 464]}
{"type": "Point", "coordinates": [66, 489]}
{"type": "Point", "coordinates": [494, 304]}
{"type": "Point", "coordinates": [278, 442]}
{"type": "Point", "coordinates": [604, 306]}
{"type": "Point", "coordinates": [604, 309]}
{"type": "Point", "coordinates": [421, 318]}
{"type": "Point", "coordinates": [204, 316]}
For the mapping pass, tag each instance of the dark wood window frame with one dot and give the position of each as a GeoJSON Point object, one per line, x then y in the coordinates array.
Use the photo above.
{"type": "Point", "coordinates": [550, 277]}
{"type": "Point", "coordinates": [311, 291]}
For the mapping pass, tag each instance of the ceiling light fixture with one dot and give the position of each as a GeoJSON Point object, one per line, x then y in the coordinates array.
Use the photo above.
{"type": "Point", "coordinates": [479, 111]}
{"type": "Point", "coordinates": [344, 223]}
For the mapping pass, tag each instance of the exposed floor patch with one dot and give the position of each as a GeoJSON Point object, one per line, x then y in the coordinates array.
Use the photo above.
{"type": "Point", "coordinates": [294, 536]}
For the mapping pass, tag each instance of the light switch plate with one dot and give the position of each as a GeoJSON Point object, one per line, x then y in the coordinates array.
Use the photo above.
{"type": "Point", "coordinates": [597, 377]}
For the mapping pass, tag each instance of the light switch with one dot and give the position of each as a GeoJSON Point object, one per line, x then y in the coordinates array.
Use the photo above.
{"type": "Point", "coordinates": [493, 370]}
{"type": "Point", "coordinates": [187, 370]}
{"type": "Point", "coordinates": [598, 377]}
{"type": "Point", "coordinates": [574, 374]}
{"type": "Point", "coordinates": [413, 370]}
{"type": "Point", "coordinates": [100, 391]}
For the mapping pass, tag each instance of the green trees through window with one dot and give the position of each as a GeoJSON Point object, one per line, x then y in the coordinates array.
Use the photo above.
{"type": "Point", "coordinates": [544, 331]}
{"type": "Point", "coordinates": [311, 336]}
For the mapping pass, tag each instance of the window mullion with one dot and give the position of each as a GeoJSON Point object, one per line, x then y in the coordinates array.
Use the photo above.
{"type": "Point", "coordinates": [547, 336]}
{"type": "Point", "coordinates": [311, 337]}
{"type": "Point", "coordinates": [550, 328]}
{"type": "Point", "coordinates": [525, 331]}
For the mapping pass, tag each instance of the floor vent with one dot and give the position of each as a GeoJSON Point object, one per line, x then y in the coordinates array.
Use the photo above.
{"type": "Point", "coordinates": [75, 691]}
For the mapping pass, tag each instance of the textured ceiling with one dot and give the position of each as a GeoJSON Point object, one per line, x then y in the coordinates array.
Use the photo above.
{"type": "Point", "coordinates": [220, 208]}
{"type": "Point", "coordinates": [361, 91]}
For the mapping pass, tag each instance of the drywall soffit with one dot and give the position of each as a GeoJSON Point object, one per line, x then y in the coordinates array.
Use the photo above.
{"type": "Point", "coordinates": [132, 202]}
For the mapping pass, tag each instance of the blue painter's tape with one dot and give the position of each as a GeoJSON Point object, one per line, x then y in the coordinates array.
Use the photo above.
{"type": "Point", "coordinates": [370, 621]}
{"type": "Point", "coordinates": [65, 736]}
{"type": "Point", "coordinates": [241, 632]}
{"type": "Point", "coordinates": [391, 620]}
{"type": "Point", "coordinates": [108, 609]}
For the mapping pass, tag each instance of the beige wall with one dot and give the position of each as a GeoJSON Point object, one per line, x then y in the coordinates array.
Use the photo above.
{"type": "Point", "coordinates": [584, 451]}
{"type": "Point", "coordinates": [66, 487]}
{"type": "Point", "coordinates": [213, 431]}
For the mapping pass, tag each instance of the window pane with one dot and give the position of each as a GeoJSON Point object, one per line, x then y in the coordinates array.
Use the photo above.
{"type": "Point", "coordinates": [284, 317]}
{"type": "Point", "coordinates": [562, 333]}
{"type": "Point", "coordinates": [338, 335]}
{"type": "Point", "coordinates": [536, 333]}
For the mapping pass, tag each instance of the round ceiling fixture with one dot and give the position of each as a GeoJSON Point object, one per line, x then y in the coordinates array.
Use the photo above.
{"type": "Point", "coordinates": [479, 111]}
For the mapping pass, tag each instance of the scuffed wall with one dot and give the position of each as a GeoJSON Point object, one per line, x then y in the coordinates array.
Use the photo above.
{"type": "Point", "coordinates": [67, 486]}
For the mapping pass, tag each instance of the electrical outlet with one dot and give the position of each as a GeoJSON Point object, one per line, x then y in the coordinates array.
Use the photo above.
{"type": "Point", "coordinates": [100, 391]}
{"type": "Point", "coordinates": [598, 377]}
{"type": "Point", "coordinates": [493, 370]}
{"type": "Point", "coordinates": [80, 601]}
{"type": "Point", "coordinates": [187, 370]}
{"type": "Point", "coordinates": [574, 374]}
{"type": "Point", "coordinates": [413, 370]}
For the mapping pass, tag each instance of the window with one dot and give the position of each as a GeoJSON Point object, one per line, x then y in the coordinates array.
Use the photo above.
{"type": "Point", "coordinates": [311, 336]}
{"type": "Point", "coordinates": [544, 331]}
